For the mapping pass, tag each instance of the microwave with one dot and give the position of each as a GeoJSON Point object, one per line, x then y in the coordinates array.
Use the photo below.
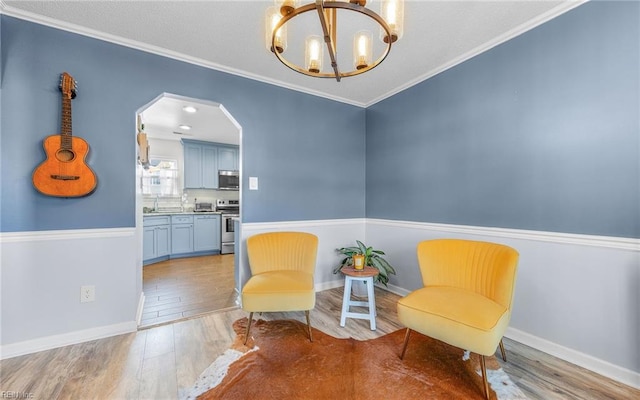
{"type": "Point", "coordinates": [228, 180]}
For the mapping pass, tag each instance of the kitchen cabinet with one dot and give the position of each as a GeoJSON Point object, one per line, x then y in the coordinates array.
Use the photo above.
{"type": "Point", "coordinates": [228, 158]}
{"type": "Point", "coordinates": [181, 234]}
{"type": "Point", "coordinates": [206, 232]}
{"type": "Point", "coordinates": [209, 167]}
{"type": "Point", "coordinates": [202, 160]}
{"type": "Point", "coordinates": [156, 237]}
{"type": "Point", "coordinates": [200, 166]}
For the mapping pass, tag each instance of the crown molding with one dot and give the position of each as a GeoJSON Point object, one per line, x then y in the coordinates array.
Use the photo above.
{"type": "Point", "coordinates": [531, 24]}
{"type": "Point", "coordinates": [517, 31]}
{"type": "Point", "coordinates": [160, 51]}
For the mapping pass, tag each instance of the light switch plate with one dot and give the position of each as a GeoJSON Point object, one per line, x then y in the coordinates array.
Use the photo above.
{"type": "Point", "coordinates": [253, 183]}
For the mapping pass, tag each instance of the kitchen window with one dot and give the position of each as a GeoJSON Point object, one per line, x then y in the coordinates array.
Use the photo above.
{"type": "Point", "coordinates": [160, 178]}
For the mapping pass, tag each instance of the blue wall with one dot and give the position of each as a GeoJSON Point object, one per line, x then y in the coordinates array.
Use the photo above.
{"type": "Point", "coordinates": [308, 164]}
{"type": "Point", "coordinates": [541, 133]}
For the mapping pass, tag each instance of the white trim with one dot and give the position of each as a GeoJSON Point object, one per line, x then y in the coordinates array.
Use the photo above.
{"type": "Point", "coordinates": [284, 225]}
{"type": "Point", "coordinates": [505, 37]}
{"type": "Point", "coordinates": [140, 308]}
{"type": "Point", "coordinates": [395, 289]}
{"type": "Point", "coordinates": [321, 287]}
{"type": "Point", "coordinates": [70, 234]}
{"type": "Point", "coordinates": [65, 339]}
{"type": "Point", "coordinates": [66, 26]}
{"type": "Point", "coordinates": [541, 236]}
{"type": "Point", "coordinates": [605, 368]}
{"type": "Point", "coordinates": [160, 51]}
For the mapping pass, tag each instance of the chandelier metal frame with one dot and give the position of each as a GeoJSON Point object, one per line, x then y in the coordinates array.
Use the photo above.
{"type": "Point", "coordinates": [327, 12]}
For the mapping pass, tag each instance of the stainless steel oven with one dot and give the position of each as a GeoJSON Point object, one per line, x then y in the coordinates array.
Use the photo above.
{"type": "Point", "coordinates": [230, 210]}
{"type": "Point", "coordinates": [228, 233]}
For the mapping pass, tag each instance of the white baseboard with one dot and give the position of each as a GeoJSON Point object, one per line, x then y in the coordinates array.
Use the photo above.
{"type": "Point", "coordinates": [623, 375]}
{"type": "Point", "coordinates": [66, 339]}
{"type": "Point", "coordinates": [329, 285]}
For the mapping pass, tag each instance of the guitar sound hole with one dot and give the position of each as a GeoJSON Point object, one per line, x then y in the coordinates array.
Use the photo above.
{"type": "Point", "coordinates": [65, 155]}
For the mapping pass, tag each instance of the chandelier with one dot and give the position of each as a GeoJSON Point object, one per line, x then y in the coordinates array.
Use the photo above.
{"type": "Point", "coordinates": [390, 22]}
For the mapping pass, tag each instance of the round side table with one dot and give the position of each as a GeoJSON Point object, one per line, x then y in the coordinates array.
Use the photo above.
{"type": "Point", "coordinates": [366, 275]}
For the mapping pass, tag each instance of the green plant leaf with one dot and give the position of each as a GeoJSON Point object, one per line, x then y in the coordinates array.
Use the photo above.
{"type": "Point", "coordinates": [385, 264]}
{"type": "Point", "coordinates": [376, 263]}
{"type": "Point", "coordinates": [371, 258]}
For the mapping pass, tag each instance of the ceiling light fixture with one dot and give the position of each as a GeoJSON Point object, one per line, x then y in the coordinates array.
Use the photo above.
{"type": "Point", "coordinates": [184, 127]}
{"type": "Point", "coordinates": [189, 109]}
{"type": "Point", "coordinates": [390, 21]}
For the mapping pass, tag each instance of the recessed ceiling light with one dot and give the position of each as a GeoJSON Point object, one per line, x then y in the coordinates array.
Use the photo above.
{"type": "Point", "coordinates": [185, 127]}
{"type": "Point", "coordinates": [189, 109]}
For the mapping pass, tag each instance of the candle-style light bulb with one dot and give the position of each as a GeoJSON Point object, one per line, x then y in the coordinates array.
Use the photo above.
{"type": "Point", "coordinates": [313, 54]}
{"type": "Point", "coordinates": [392, 11]}
{"type": "Point", "coordinates": [362, 54]}
{"type": "Point", "coordinates": [272, 19]}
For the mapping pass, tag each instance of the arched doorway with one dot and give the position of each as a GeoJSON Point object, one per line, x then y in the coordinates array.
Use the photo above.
{"type": "Point", "coordinates": [177, 282]}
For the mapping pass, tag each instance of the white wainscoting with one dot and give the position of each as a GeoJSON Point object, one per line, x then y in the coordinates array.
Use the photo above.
{"type": "Point", "coordinates": [577, 296]}
{"type": "Point", "coordinates": [41, 277]}
{"type": "Point", "coordinates": [332, 234]}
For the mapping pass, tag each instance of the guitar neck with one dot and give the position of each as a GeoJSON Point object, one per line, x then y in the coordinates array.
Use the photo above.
{"type": "Point", "coordinates": [65, 124]}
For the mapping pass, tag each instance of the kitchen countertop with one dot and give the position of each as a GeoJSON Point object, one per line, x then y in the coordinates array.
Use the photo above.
{"type": "Point", "coordinates": [162, 213]}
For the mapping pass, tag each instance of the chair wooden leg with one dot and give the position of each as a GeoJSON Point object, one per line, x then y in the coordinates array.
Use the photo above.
{"type": "Point", "coordinates": [406, 342]}
{"type": "Point", "coordinates": [309, 325]}
{"type": "Point", "coordinates": [504, 353]}
{"type": "Point", "coordinates": [484, 377]}
{"type": "Point", "coordinates": [246, 336]}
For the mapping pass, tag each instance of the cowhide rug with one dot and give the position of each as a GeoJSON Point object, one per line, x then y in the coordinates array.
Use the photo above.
{"type": "Point", "coordinates": [279, 362]}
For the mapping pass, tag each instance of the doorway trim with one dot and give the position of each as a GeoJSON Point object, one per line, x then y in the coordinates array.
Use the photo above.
{"type": "Point", "coordinates": [138, 198]}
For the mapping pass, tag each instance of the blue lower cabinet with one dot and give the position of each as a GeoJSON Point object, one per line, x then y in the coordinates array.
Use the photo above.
{"type": "Point", "coordinates": [149, 243]}
{"type": "Point", "coordinates": [206, 233]}
{"type": "Point", "coordinates": [181, 234]}
{"type": "Point", "coordinates": [156, 238]}
{"type": "Point", "coordinates": [163, 238]}
{"type": "Point", "coordinates": [177, 236]}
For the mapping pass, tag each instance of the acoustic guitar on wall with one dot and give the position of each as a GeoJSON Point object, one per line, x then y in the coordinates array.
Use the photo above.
{"type": "Point", "coordinates": [65, 172]}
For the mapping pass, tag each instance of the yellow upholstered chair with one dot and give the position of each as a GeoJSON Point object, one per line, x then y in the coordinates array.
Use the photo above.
{"type": "Point", "coordinates": [282, 267]}
{"type": "Point", "coordinates": [467, 296]}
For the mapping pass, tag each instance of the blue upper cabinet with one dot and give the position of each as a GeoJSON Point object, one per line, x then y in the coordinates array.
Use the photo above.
{"type": "Point", "coordinates": [228, 158]}
{"type": "Point", "coordinates": [209, 167]}
{"type": "Point", "coordinates": [202, 160]}
{"type": "Point", "coordinates": [192, 166]}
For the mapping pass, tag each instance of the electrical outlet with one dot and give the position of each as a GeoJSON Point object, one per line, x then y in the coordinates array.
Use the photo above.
{"type": "Point", "coordinates": [87, 293]}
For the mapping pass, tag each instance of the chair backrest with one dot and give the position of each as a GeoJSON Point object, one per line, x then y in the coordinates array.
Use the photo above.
{"type": "Point", "coordinates": [485, 268]}
{"type": "Point", "coordinates": [276, 251]}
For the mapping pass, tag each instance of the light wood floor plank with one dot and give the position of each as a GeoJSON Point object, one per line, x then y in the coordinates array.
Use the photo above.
{"type": "Point", "coordinates": [162, 362]}
{"type": "Point", "coordinates": [186, 287]}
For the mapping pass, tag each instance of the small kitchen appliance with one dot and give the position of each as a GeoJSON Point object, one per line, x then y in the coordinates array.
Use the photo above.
{"type": "Point", "coordinates": [204, 207]}
{"type": "Point", "coordinates": [228, 180]}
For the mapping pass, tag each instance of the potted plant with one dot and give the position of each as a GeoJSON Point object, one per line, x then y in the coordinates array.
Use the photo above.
{"type": "Point", "coordinates": [372, 258]}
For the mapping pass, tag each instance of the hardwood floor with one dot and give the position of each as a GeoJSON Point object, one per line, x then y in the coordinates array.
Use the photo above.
{"type": "Point", "coordinates": [186, 287]}
{"type": "Point", "coordinates": [162, 362]}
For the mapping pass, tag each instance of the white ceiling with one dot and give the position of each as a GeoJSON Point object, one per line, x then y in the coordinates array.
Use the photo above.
{"type": "Point", "coordinates": [229, 36]}
{"type": "Point", "coordinates": [210, 122]}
